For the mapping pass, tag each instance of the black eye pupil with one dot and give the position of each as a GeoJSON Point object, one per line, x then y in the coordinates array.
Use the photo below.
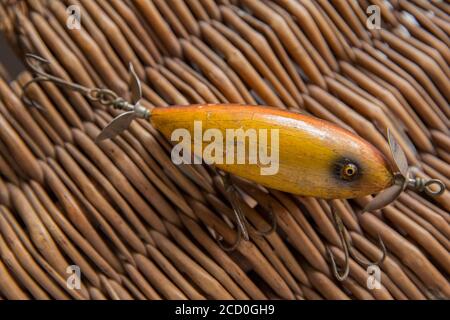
{"type": "Point", "coordinates": [346, 169]}
{"type": "Point", "coordinates": [349, 171]}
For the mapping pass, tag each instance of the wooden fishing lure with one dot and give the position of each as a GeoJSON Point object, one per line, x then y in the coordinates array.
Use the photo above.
{"type": "Point", "coordinates": [315, 158]}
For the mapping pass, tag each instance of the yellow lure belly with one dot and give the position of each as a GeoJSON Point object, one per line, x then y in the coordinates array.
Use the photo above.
{"type": "Point", "coordinates": [315, 158]}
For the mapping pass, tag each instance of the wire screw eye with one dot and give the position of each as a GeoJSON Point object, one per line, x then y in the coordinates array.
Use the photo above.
{"type": "Point", "coordinates": [422, 185]}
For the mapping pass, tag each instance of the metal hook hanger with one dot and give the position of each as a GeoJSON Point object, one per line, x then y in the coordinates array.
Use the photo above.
{"type": "Point", "coordinates": [241, 220]}
{"type": "Point", "coordinates": [349, 251]}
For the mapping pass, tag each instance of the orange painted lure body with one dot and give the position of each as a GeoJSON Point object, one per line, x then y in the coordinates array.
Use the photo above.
{"type": "Point", "coordinates": [315, 157]}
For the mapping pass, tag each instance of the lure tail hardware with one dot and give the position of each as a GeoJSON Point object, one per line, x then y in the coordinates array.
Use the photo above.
{"type": "Point", "coordinates": [403, 179]}
{"type": "Point", "coordinates": [106, 97]}
{"type": "Point", "coordinates": [241, 220]}
{"type": "Point", "coordinates": [349, 251]}
{"type": "Point", "coordinates": [133, 111]}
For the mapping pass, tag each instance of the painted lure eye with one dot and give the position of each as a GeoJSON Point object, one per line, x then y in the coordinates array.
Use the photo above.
{"type": "Point", "coordinates": [349, 171]}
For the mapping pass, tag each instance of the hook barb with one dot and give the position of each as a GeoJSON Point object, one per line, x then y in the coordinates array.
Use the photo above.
{"type": "Point", "coordinates": [34, 63]}
{"type": "Point", "coordinates": [28, 102]}
{"type": "Point", "coordinates": [235, 244]}
{"type": "Point", "coordinates": [273, 224]}
{"type": "Point", "coordinates": [365, 262]}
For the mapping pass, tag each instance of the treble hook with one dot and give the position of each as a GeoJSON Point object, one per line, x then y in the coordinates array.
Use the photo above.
{"type": "Point", "coordinates": [103, 96]}
{"type": "Point", "coordinates": [349, 251]}
{"type": "Point", "coordinates": [241, 220]}
{"type": "Point", "coordinates": [41, 76]}
{"type": "Point", "coordinates": [341, 231]}
{"type": "Point", "coordinates": [34, 62]}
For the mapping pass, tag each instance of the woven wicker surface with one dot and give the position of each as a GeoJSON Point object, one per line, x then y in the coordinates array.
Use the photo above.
{"type": "Point", "coordinates": [140, 227]}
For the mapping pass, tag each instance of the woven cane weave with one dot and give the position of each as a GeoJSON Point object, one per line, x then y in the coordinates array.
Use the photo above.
{"type": "Point", "coordinates": [140, 227]}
